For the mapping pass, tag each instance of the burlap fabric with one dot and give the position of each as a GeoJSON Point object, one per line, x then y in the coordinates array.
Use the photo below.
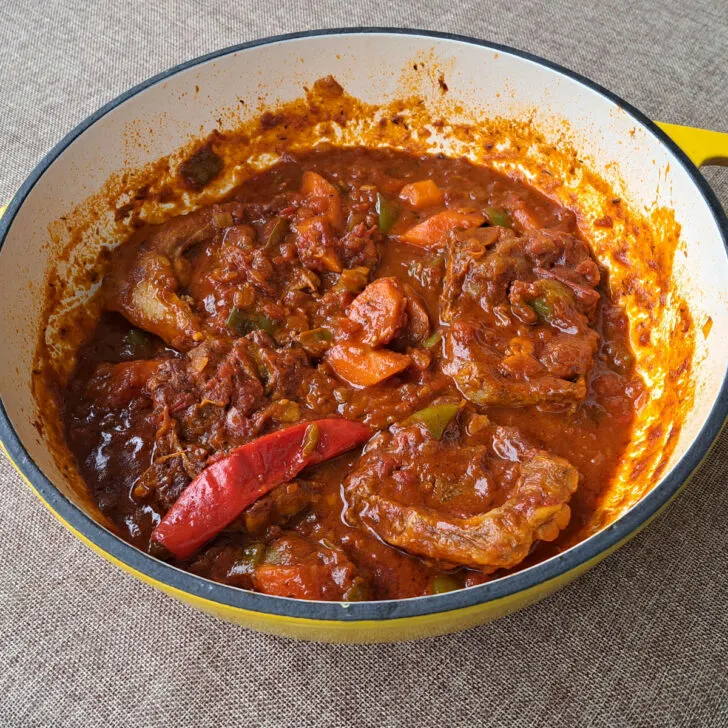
{"type": "Point", "coordinates": [640, 641]}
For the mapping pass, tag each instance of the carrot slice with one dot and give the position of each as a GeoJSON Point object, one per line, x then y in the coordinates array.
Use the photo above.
{"type": "Point", "coordinates": [381, 310]}
{"type": "Point", "coordinates": [299, 581]}
{"type": "Point", "coordinates": [316, 244]}
{"type": "Point", "coordinates": [324, 197]}
{"type": "Point", "coordinates": [283, 581]}
{"type": "Point", "coordinates": [433, 230]}
{"type": "Point", "coordinates": [363, 366]}
{"type": "Point", "coordinates": [421, 194]}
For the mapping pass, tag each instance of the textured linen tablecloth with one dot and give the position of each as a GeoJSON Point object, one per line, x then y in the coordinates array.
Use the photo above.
{"type": "Point", "coordinates": [639, 641]}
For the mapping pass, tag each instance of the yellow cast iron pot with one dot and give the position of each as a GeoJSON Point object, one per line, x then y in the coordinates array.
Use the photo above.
{"type": "Point", "coordinates": [651, 165]}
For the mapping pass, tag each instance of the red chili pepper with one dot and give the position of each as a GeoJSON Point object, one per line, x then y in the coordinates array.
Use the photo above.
{"type": "Point", "coordinates": [223, 490]}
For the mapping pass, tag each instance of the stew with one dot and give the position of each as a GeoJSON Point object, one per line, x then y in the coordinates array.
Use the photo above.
{"type": "Point", "coordinates": [362, 375]}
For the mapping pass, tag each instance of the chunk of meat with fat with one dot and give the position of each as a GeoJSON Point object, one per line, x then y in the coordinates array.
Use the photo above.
{"type": "Point", "coordinates": [173, 467]}
{"type": "Point", "coordinates": [534, 507]}
{"type": "Point", "coordinates": [145, 276]}
{"type": "Point", "coordinates": [278, 506]}
{"type": "Point", "coordinates": [537, 288]}
{"type": "Point", "coordinates": [485, 269]}
{"type": "Point", "coordinates": [223, 392]}
{"type": "Point", "coordinates": [280, 367]}
{"type": "Point", "coordinates": [480, 372]}
{"type": "Point", "coordinates": [498, 539]}
{"type": "Point", "coordinates": [417, 327]}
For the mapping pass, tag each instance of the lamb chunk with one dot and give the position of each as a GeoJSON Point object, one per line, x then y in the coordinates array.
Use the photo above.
{"type": "Point", "coordinates": [481, 500]}
{"type": "Point", "coordinates": [539, 288]}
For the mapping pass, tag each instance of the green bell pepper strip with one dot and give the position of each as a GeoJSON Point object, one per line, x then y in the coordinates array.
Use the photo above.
{"type": "Point", "coordinates": [388, 213]}
{"type": "Point", "coordinates": [437, 417]}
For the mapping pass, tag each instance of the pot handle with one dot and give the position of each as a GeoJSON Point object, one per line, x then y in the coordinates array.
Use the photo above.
{"type": "Point", "coordinates": [702, 146]}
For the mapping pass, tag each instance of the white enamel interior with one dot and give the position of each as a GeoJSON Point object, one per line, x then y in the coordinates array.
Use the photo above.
{"type": "Point", "coordinates": [369, 67]}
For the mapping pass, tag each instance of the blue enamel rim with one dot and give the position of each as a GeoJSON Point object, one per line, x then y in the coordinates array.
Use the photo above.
{"type": "Point", "coordinates": [394, 609]}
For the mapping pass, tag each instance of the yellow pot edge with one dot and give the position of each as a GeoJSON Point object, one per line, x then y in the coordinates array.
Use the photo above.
{"type": "Point", "coordinates": [702, 146]}
{"type": "Point", "coordinates": [360, 631]}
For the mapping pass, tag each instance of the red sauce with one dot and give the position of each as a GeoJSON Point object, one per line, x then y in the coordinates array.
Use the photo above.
{"type": "Point", "coordinates": [298, 298]}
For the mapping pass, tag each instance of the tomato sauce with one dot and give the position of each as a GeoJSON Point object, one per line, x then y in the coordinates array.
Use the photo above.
{"type": "Point", "coordinates": [457, 313]}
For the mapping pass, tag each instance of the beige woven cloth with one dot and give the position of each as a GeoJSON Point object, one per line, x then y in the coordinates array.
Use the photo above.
{"type": "Point", "coordinates": [642, 640]}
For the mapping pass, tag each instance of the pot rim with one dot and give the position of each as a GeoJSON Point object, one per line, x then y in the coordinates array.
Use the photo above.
{"type": "Point", "coordinates": [215, 593]}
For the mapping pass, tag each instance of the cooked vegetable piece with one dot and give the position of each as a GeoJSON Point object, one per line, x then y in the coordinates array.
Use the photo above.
{"type": "Point", "coordinates": [220, 493]}
{"type": "Point", "coordinates": [388, 213]}
{"type": "Point", "coordinates": [421, 194]}
{"type": "Point", "coordinates": [324, 197]}
{"type": "Point", "coordinates": [359, 591]}
{"type": "Point", "coordinates": [284, 581]}
{"type": "Point", "coordinates": [201, 168]}
{"type": "Point", "coordinates": [274, 555]}
{"type": "Point", "coordinates": [381, 310]}
{"type": "Point", "coordinates": [252, 555]}
{"type": "Point", "coordinates": [363, 366]}
{"type": "Point", "coordinates": [353, 279]}
{"type": "Point", "coordinates": [433, 231]}
{"type": "Point", "coordinates": [315, 341]}
{"type": "Point", "coordinates": [437, 417]}
{"type": "Point", "coordinates": [310, 439]}
{"type": "Point", "coordinates": [315, 185]}
{"type": "Point", "coordinates": [516, 322]}
{"type": "Point", "coordinates": [499, 216]}
{"type": "Point", "coordinates": [316, 244]}
{"type": "Point", "coordinates": [552, 293]}
{"type": "Point", "coordinates": [443, 583]}
{"type": "Point", "coordinates": [285, 410]}
{"type": "Point", "coordinates": [543, 308]}
{"type": "Point", "coordinates": [277, 232]}
{"type": "Point", "coordinates": [479, 237]}
{"type": "Point", "coordinates": [432, 340]}
{"type": "Point", "coordinates": [244, 322]}
{"type": "Point", "coordinates": [305, 569]}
